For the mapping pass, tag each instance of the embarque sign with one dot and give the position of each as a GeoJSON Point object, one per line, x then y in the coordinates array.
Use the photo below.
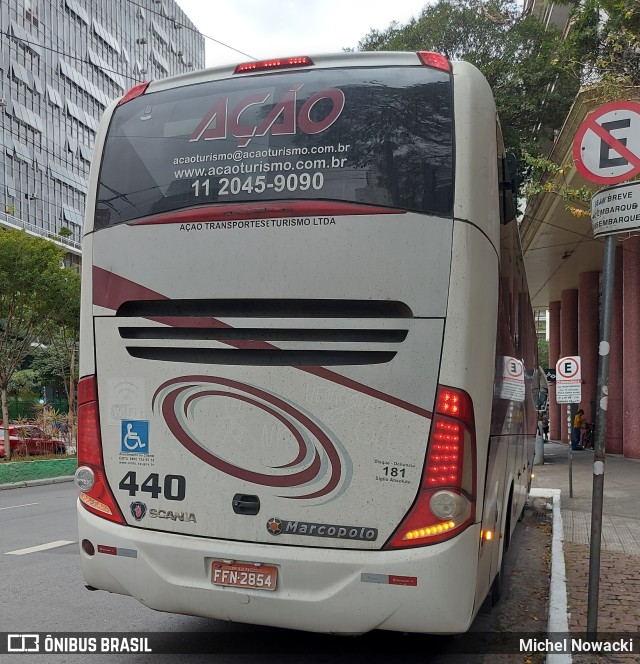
{"type": "Point", "coordinates": [616, 209]}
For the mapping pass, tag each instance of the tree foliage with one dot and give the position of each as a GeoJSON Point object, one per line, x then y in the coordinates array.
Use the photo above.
{"type": "Point", "coordinates": [56, 360]}
{"type": "Point", "coordinates": [23, 384]}
{"type": "Point", "coordinates": [547, 177]}
{"type": "Point", "coordinates": [603, 47]}
{"type": "Point", "coordinates": [51, 363]}
{"type": "Point", "coordinates": [525, 63]}
{"type": "Point", "coordinates": [543, 352]}
{"type": "Point", "coordinates": [34, 297]}
{"type": "Point", "coordinates": [605, 38]}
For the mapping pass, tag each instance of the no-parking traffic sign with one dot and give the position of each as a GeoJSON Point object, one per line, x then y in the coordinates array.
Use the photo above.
{"type": "Point", "coordinates": [568, 380]}
{"type": "Point", "coordinates": [606, 148]}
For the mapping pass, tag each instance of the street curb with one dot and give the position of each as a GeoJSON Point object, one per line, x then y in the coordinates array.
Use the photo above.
{"type": "Point", "coordinates": [51, 480]}
{"type": "Point", "coordinates": [23, 473]}
{"type": "Point", "coordinates": [558, 621]}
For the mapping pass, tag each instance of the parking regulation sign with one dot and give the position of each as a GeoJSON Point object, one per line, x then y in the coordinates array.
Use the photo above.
{"type": "Point", "coordinates": [606, 148]}
{"type": "Point", "coordinates": [568, 380]}
{"type": "Point", "coordinates": [616, 209]}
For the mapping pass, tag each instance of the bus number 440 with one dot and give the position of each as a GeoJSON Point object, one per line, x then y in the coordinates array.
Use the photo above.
{"type": "Point", "coordinates": [173, 486]}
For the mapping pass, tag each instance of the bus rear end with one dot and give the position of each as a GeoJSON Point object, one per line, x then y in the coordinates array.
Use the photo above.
{"type": "Point", "coordinates": [265, 434]}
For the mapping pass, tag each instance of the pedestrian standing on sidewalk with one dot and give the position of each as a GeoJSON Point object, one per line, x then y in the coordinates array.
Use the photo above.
{"type": "Point", "coordinates": [576, 432]}
{"type": "Point", "coordinates": [545, 427]}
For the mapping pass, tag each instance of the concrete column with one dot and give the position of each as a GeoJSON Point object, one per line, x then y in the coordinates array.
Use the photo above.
{"type": "Point", "coordinates": [555, 417]}
{"type": "Point", "coordinates": [568, 339]}
{"type": "Point", "coordinates": [613, 438]}
{"type": "Point", "coordinates": [631, 347]}
{"type": "Point", "coordinates": [589, 339]}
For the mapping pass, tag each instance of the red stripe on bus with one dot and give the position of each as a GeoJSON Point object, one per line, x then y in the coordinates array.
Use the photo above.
{"type": "Point", "coordinates": [300, 478]}
{"type": "Point", "coordinates": [111, 290]}
{"type": "Point", "coordinates": [334, 377]}
{"type": "Point", "coordinates": [258, 404]}
{"type": "Point", "coordinates": [242, 211]}
{"type": "Point", "coordinates": [396, 580]}
{"type": "Point", "coordinates": [109, 550]}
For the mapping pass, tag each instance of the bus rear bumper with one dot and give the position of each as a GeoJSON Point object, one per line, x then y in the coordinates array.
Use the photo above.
{"type": "Point", "coordinates": [429, 589]}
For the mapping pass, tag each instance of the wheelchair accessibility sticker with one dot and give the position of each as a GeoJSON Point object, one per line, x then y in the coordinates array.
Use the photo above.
{"type": "Point", "coordinates": [134, 438]}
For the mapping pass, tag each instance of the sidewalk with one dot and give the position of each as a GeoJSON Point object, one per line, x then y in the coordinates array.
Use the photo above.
{"type": "Point", "coordinates": [619, 593]}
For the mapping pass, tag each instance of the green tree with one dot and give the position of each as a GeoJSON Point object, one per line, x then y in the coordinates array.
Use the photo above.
{"type": "Point", "coordinates": [547, 177]}
{"type": "Point", "coordinates": [49, 364]}
{"type": "Point", "coordinates": [56, 363]}
{"type": "Point", "coordinates": [23, 384]}
{"type": "Point", "coordinates": [543, 353]}
{"type": "Point", "coordinates": [57, 358]}
{"type": "Point", "coordinates": [525, 63]}
{"type": "Point", "coordinates": [604, 43]}
{"type": "Point", "coordinates": [603, 47]}
{"type": "Point", "coordinates": [31, 274]}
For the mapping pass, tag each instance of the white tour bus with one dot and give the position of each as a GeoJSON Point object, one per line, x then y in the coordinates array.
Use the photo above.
{"type": "Point", "coordinates": [307, 350]}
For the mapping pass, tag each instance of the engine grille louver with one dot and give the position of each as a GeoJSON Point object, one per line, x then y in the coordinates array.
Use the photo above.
{"type": "Point", "coordinates": [266, 308]}
{"type": "Point", "coordinates": [353, 340]}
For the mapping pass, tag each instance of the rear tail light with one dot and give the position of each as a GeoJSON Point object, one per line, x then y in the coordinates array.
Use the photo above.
{"type": "Point", "coordinates": [135, 91]}
{"type": "Point", "coordinates": [446, 503]}
{"type": "Point", "coordinates": [89, 443]}
{"type": "Point", "coordinates": [276, 63]}
{"type": "Point", "coordinates": [95, 494]}
{"type": "Point", "coordinates": [435, 60]}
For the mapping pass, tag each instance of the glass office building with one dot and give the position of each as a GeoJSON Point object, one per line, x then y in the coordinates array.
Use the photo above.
{"type": "Point", "coordinates": [61, 63]}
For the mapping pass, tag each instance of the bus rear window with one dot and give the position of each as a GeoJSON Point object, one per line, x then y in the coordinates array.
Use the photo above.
{"type": "Point", "coordinates": [379, 136]}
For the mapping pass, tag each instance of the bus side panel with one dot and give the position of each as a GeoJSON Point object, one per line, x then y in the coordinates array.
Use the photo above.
{"type": "Point", "coordinates": [512, 421]}
{"type": "Point", "coordinates": [516, 339]}
{"type": "Point", "coordinates": [529, 351]}
{"type": "Point", "coordinates": [492, 516]}
{"type": "Point", "coordinates": [476, 197]}
{"type": "Point", "coordinates": [87, 356]}
{"type": "Point", "coordinates": [470, 330]}
{"type": "Point", "coordinates": [467, 361]}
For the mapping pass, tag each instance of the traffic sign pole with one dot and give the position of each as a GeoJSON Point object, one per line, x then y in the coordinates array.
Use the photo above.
{"type": "Point", "coordinates": [570, 450]}
{"type": "Point", "coordinates": [569, 390]}
{"type": "Point", "coordinates": [606, 150]}
{"type": "Point", "coordinates": [599, 443]}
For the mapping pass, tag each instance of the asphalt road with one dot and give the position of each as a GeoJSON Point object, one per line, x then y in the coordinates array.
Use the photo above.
{"type": "Point", "coordinates": [42, 591]}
